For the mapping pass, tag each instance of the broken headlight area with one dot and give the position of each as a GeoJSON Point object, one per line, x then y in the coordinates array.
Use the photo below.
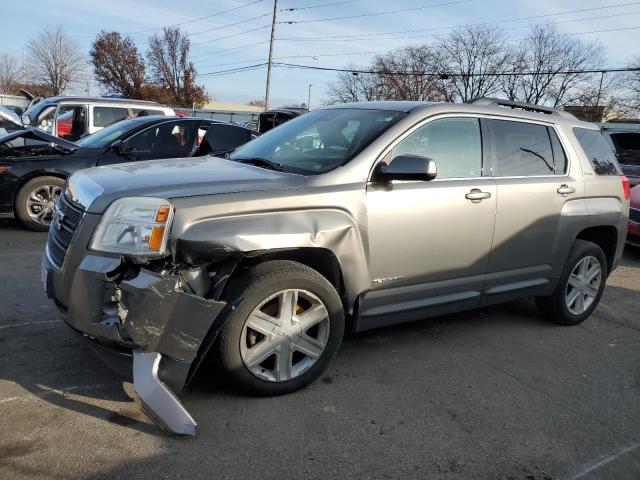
{"type": "Point", "coordinates": [166, 315]}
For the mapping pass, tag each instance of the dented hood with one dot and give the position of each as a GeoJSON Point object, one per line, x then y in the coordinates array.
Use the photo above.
{"type": "Point", "coordinates": [95, 188]}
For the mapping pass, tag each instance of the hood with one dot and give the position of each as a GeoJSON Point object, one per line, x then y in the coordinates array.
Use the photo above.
{"type": "Point", "coordinates": [95, 188]}
{"type": "Point", "coordinates": [30, 133]}
{"type": "Point", "coordinates": [6, 114]}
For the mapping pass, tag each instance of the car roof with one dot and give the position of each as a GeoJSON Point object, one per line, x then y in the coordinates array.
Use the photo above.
{"type": "Point", "coordinates": [50, 100]}
{"type": "Point", "coordinates": [483, 107]}
{"type": "Point", "coordinates": [391, 105]}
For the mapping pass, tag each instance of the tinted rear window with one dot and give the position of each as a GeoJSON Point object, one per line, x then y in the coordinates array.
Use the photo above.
{"type": "Point", "coordinates": [524, 149]}
{"type": "Point", "coordinates": [600, 155]}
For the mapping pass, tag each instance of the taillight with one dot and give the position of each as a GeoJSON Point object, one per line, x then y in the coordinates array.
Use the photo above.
{"type": "Point", "coordinates": [626, 187]}
{"type": "Point", "coordinates": [3, 168]}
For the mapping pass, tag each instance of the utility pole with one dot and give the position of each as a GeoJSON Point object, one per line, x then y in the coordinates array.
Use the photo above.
{"type": "Point", "coordinates": [273, 30]}
{"type": "Point", "coordinates": [309, 98]}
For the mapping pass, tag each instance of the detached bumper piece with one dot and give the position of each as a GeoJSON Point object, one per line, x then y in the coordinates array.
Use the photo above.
{"type": "Point", "coordinates": [157, 400]}
{"type": "Point", "coordinates": [153, 315]}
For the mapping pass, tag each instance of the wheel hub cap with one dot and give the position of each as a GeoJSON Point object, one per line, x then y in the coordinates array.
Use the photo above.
{"type": "Point", "coordinates": [41, 202]}
{"type": "Point", "coordinates": [284, 335]}
{"type": "Point", "coordinates": [583, 285]}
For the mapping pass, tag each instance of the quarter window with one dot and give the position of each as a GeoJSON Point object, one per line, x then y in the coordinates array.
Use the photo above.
{"type": "Point", "coordinates": [598, 152]}
{"type": "Point", "coordinates": [103, 116]}
{"type": "Point", "coordinates": [523, 149]}
{"type": "Point", "coordinates": [454, 143]}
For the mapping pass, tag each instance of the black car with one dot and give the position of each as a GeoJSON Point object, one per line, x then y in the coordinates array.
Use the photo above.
{"type": "Point", "coordinates": [35, 164]}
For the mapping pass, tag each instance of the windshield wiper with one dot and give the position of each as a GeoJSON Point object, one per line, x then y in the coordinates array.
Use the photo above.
{"type": "Point", "coordinates": [261, 162]}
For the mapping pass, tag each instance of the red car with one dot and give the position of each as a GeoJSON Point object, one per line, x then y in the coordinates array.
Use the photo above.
{"type": "Point", "coordinates": [633, 235]}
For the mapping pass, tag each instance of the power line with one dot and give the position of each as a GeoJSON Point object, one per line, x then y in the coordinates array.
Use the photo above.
{"type": "Point", "coordinates": [245, 20]}
{"type": "Point", "coordinates": [196, 19]}
{"type": "Point", "coordinates": [318, 6]}
{"type": "Point", "coordinates": [233, 70]}
{"type": "Point", "coordinates": [290, 22]}
{"type": "Point", "coordinates": [233, 35]}
{"type": "Point", "coordinates": [240, 47]}
{"type": "Point", "coordinates": [531, 17]}
{"type": "Point", "coordinates": [459, 74]}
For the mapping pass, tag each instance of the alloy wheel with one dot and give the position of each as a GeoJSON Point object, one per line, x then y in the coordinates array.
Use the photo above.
{"type": "Point", "coordinates": [285, 335]}
{"type": "Point", "coordinates": [583, 285]}
{"type": "Point", "coordinates": [41, 202]}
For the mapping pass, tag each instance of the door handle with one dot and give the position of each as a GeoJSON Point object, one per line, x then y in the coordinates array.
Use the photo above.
{"type": "Point", "coordinates": [476, 195]}
{"type": "Point", "coordinates": [565, 190]}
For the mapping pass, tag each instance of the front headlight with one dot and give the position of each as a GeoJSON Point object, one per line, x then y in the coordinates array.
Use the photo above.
{"type": "Point", "coordinates": [136, 226]}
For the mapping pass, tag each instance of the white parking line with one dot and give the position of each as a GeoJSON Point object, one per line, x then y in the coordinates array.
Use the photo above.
{"type": "Point", "coordinates": [586, 469]}
{"type": "Point", "coordinates": [28, 324]}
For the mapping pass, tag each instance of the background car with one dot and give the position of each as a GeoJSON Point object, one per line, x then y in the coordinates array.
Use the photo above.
{"type": "Point", "coordinates": [633, 229]}
{"type": "Point", "coordinates": [624, 139]}
{"type": "Point", "coordinates": [35, 164]}
{"type": "Point", "coordinates": [9, 121]}
{"type": "Point", "coordinates": [73, 117]}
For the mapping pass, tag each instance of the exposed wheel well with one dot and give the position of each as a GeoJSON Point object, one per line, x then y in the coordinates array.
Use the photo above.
{"type": "Point", "coordinates": [606, 237]}
{"type": "Point", "coordinates": [320, 259]}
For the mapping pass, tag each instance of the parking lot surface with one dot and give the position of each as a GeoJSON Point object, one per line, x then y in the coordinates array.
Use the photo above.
{"type": "Point", "coordinates": [493, 394]}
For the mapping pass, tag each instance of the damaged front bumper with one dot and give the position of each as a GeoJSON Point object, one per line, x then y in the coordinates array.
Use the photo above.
{"type": "Point", "coordinates": [150, 316]}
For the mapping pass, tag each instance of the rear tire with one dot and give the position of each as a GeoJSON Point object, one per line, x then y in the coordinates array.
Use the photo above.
{"type": "Point", "coordinates": [35, 202]}
{"type": "Point", "coordinates": [287, 325]}
{"type": "Point", "coordinates": [580, 286]}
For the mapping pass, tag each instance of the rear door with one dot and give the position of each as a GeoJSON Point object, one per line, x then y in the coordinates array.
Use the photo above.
{"type": "Point", "coordinates": [533, 184]}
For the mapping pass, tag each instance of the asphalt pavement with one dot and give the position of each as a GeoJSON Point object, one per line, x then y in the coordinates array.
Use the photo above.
{"type": "Point", "coordinates": [493, 394]}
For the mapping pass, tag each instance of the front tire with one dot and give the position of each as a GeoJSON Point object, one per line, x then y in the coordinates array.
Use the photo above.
{"type": "Point", "coordinates": [35, 202]}
{"type": "Point", "coordinates": [580, 286]}
{"type": "Point", "coordinates": [287, 325]}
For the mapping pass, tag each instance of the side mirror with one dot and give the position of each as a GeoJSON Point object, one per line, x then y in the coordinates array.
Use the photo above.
{"type": "Point", "coordinates": [408, 167]}
{"type": "Point", "coordinates": [119, 147]}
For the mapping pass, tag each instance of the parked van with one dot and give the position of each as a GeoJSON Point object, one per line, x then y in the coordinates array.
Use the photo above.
{"type": "Point", "coordinates": [71, 118]}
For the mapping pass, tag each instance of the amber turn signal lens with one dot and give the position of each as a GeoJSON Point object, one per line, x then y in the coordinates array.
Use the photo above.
{"type": "Point", "coordinates": [155, 240]}
{"type": "Point", "coordinates": [163, 214]}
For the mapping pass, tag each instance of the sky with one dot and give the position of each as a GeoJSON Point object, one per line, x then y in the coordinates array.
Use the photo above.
{"type": "Point", "coordinates": [240, 38]}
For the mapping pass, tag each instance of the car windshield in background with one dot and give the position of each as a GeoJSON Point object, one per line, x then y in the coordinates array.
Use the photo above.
{"type": "Point", "coordinates": [318, 141]}
{"type": "Point", "coordinates": [108, 135]}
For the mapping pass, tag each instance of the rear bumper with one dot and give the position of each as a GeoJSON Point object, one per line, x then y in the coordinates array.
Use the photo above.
{"type": "Point", "coordinates": [144, 313]}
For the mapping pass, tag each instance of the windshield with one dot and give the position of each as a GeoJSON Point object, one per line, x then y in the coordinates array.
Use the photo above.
{"type": "Point", "coordinates": [105, 137]}
{"type": "Point", "coordinates": [318, 141]}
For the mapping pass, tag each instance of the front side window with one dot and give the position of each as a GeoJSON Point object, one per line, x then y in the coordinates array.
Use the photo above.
{"type": "Point", "coordinates": [319, 141]}
{"type": "Point", "coordinates": [522, 149]}
{"type": "Point", "coordinates": [103, 116]}
{"type": "Point", "coordinates": [71, 122]}
{"type": "Point", "coordinates": [172, 138]}
{"type": "Point", "coordinates": [597, 151]}
{"type": "Point", "coordinates": [455, 144]}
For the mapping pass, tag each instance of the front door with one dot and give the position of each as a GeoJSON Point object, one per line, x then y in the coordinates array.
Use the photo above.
{"type": "Point", "coordinates": [532, 188]}
{"type": "Point", "coordinates": [429, 242]}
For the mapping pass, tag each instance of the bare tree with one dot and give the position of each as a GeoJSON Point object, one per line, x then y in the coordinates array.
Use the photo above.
{"type": "Point", "coordinates": [117, 64]}
{"type": "Point", "coordinates": [351, 86]}
{"type": "Point", "coordinates": [9, 73]}
{"type": "Point", "coordinates": [54, 59]}
{"type": "Point", "coordinates": [545, 56]}
{"type": "Point", "coordinates": [168, 57]}
{"type": "Point", "coordinates": [468, 59]}
{"type": "Point", "coordinates": [401, 74]}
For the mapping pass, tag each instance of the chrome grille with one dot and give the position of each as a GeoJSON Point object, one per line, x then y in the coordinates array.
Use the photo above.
{"type": "Point", "coordinates": [634, 215]}
{"type": "Point", "coordinates": [66, 218]}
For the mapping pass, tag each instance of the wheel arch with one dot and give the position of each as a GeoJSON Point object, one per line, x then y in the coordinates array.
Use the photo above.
{"type": "Point", "coordinates": [35, 174]}
{"type": "Point", "coordinates": [606, 237]}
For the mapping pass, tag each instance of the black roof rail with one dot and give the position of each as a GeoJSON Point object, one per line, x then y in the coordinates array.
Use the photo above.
{"type": "Point", "coordinates": [519, 105]}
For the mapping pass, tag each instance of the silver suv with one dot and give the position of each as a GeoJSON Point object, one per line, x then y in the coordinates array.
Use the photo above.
{"type": "Point", "coordinates": [347, 218]}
